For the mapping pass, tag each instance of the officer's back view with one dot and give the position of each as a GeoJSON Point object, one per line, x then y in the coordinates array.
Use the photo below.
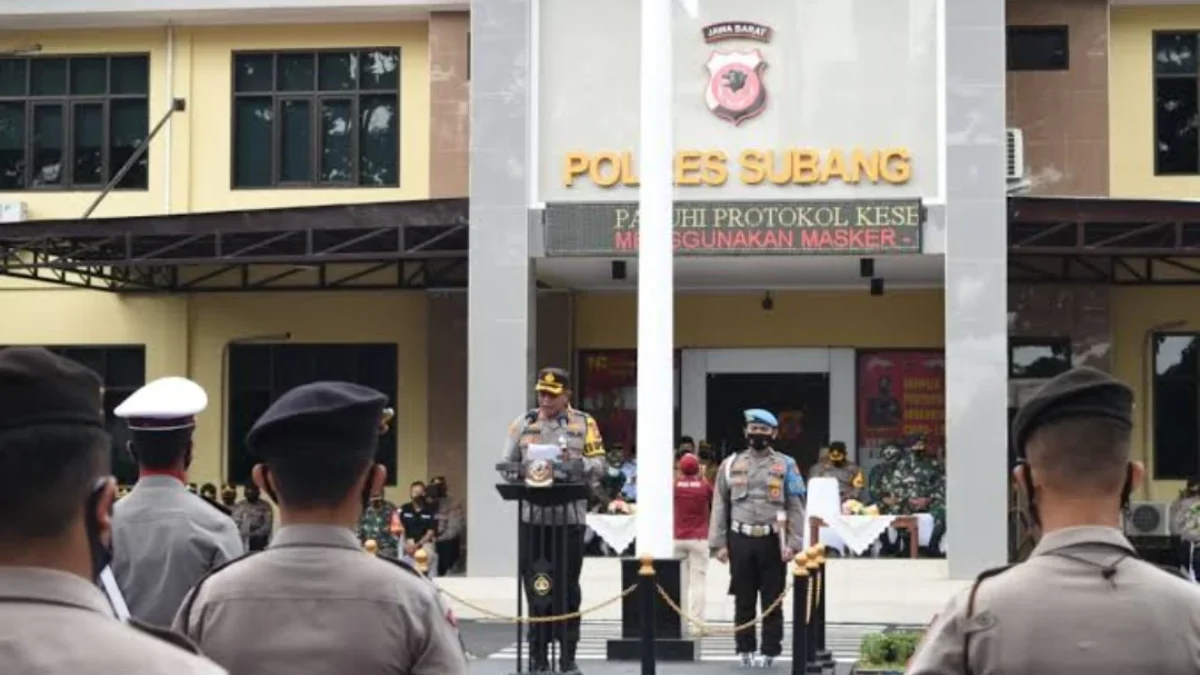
{"type": "Point", "coordinates": [1083, 602]}
{"type": "Point", "coordinates": [313, 602]}
{"type": "Point", "coordinates": [55, 531]}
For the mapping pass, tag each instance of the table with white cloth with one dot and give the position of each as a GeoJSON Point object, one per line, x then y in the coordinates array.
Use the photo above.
{"type": "Point", "coordinates": [829, 526]}
{"type": "Point", "coordinates": [618, 531]}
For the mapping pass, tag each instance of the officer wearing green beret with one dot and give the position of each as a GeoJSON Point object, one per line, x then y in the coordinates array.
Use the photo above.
{"type": "Point", "coordinates": [1083, 602]}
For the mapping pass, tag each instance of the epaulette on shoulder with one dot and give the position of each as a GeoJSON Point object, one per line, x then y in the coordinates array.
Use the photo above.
{"type": "Point", "coordinates": [165, 634]}
{"type": "Point", "coordinates": [186, 610]}
{"type": "Point", "coordinates": [983, 576]}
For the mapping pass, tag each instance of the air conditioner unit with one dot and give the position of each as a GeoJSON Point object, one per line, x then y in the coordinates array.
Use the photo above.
{"type": "Point", "coordinates": [1148, 519]}
{"type": "Point", "coordinates": [1016, 154]}
{"type": "Point", "coordinates": [13, 212]}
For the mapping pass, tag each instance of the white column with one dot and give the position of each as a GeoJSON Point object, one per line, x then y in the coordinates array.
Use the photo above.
{"type": "Point", "coordinates": [656, 289]}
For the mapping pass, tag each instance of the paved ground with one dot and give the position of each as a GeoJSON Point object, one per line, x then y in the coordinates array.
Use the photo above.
{"type": "Point", "coordinates": [493, 647]}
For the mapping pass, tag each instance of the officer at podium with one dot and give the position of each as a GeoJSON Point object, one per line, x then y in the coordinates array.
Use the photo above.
{"type": "Point", "coordinates": [549, 532]}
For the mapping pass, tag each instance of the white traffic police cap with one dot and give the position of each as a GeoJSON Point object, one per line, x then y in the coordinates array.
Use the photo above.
{"type": "Point", "coordinates": [166, 404]}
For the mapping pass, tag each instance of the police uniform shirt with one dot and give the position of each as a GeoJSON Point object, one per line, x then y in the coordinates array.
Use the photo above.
{"type": "Point", "coordinates": [164, 540]}
{"type": "Point", "coordinates": [56, 622]}
{"type": "Point", "coordinates": [1060, 612]}
{"type": "Point", "coordinates": [574, 430]}
{"type": "Point", "coordinates": [314, 603]}
{"type": "Point", "coordinates": [752, 488]}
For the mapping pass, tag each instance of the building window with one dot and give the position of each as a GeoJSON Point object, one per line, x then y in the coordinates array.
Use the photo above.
{"type": "Point", "coordinates": [328, 118]}
{"type": "Point", "coordinates": [1176, 104]}
{"type": "Point", "coordinates": [1176, 404]}
{"type": "Point", "coordinates": [261, 373]}
{"type": "Point", "coordinates": [72, 122]}
{"type": "Point", "coordinates": [1038, 48]}
{"type": "Point", "coordinates": [1036, 359]}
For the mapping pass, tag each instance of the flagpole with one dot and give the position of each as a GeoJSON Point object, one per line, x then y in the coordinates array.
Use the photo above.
{"type": "Point", "coordinates": [656, 288]}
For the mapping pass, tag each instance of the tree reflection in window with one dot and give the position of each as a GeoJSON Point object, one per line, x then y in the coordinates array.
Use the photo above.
{"type": "Point", "coordinates": [1176, 403]}
{"type": "Point", "coordinates": [338, 114]}
{"type": "Point", "coordinates": [1038, 359]}
{"type": "Point", "coordinates": [1176, 103]}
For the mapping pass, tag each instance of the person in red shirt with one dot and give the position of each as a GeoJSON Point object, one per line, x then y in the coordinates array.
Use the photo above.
{"type": "Point", "coordinates": [693, 502]}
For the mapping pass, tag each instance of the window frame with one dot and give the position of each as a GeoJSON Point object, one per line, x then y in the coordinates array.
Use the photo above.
{"type": "Point", "coordinates": [1054, 343]}
{"type": "Point", "coordinates": [69, 102]}
{"type": "Point", "coordinates": [1155, 383]}
{"type": "Point", "coordinates": [390, 442]}
{"type": "Point", "coordinates": [1155, 77]}
{"type": "Point", "coordinates": [1039, 30]}
{"type": "Point", "coordinates": [314, 98]}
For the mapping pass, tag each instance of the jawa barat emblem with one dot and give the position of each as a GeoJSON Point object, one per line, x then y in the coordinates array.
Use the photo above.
{"type": "Point", "coordinates": [735, 91]}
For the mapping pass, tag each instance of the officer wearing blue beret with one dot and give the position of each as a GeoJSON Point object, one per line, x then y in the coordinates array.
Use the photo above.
{"type": "Point", "coordinates": [319, 598]}
{"type": "Point", "coordinates": [757, 526]}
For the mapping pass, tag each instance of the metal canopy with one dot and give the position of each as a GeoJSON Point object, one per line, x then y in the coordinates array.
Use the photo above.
{"type": "Point", "coordinates": [1103, 241]}
{"type": "Point", "coordinates": [361, 246]}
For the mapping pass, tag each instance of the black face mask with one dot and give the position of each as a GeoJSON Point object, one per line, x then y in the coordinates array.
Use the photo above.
{"type": "Point", "coordinates": [759, 441]}
{"type": "Point", "coordinates": [705, 456]}
{"type": "Point", "coordinates": [101, 554]}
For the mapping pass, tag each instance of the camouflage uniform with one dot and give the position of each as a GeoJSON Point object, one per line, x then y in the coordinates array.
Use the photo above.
{"type": "Point", "coordinates": [879, 473]}
{"type": "Point", "coordinates": [376, 523]}
{"type": "Point", "coordinates": [918, 475]}
{"type": "Point", "coordinates": [254, 521]}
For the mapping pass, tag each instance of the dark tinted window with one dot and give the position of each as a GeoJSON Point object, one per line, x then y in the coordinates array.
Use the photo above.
{"type": "Point", "coordinates": [1038, 48]}
{"type": "Point", "coordinates": [1176, 104]}
{"type": "Point", "coordinates": [1176, 406]}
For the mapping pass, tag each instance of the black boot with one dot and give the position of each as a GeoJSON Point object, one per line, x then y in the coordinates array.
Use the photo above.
{"type": "Point", "coordinates": [566, 660]}
{"type": "Point", "coordinates": [538, 661]}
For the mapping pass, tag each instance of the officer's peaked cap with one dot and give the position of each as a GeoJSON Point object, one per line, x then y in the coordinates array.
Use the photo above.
{"type": "Point", "coordinates": [40, 388]}
{"type": "Point", "coordinates": [322, 416]}
{"type": "Point", "coordinates": [553, 381]}
{"type": "Point", "coordinates": [1079, 392]}
{"type": "Point", "coordinates": [760, 416]}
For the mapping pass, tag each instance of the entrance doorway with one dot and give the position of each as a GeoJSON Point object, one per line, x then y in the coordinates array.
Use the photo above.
{"type": "Point", "coordinates": [799, 400]}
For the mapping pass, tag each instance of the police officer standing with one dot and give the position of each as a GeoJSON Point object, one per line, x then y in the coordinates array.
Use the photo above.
{"type": "Point", "coordinates": [757, 524]}
{"type": "Point", "coordinates": [56, 493]}
{"type": "Point", "coordinates": [1083, 602]}
{"type": "Point", "coordinates": [312, 602]}
{"type": "Point", "coordinates": [555, 423]}
{"type": "Point", "coordinates": [165, 538]}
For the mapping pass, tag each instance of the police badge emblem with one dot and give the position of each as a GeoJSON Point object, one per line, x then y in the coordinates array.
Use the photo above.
{"type": "Point", "coordinates": [735, 91]}
{"type": "Point", "coordinates": [539, 473]}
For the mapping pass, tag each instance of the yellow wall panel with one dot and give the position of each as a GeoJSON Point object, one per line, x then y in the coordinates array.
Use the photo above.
{"type": "Point", "coordinates": [1131, 102]}
{"type": "Point", "coordinates": [1135, 313]}
{"type": "Point", "coordinates": [900, 319]}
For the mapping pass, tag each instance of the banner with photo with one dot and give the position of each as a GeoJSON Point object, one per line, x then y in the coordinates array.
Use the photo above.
{"type": "Point", "coordinates": [608, 391]}
{"type": "Point", "coordinates": [900, 392]}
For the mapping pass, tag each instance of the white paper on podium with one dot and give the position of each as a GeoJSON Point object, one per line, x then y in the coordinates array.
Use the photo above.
{"type": "Point", "coordinates": [537, 451]}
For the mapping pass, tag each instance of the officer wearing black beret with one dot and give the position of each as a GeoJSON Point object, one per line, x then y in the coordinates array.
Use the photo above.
{"type": "Point", "coordinates": [56, 497]}
{"type": "Point", "coordinates": [1083, 601]}
{"type": "Point", "coordinates": [319, 597]}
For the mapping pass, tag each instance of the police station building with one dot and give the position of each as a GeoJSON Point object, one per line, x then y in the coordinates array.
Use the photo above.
{"type": "Point", "coordinates": [840, 233]}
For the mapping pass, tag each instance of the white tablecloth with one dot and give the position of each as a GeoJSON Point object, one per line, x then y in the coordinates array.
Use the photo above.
{"type": "Point", "coordinates": [616, 531]}
{"type": "Point", "coordinates": [857, 533]}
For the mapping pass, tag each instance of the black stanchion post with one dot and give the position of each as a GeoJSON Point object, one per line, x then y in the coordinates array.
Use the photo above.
{"type": "Point", "coordinates": [799, 613]}
{"type": "Point", "coordinates": [521, 572]}
{"type": "Point", "coordinates": [824, 654]}
{"type": "Point", "coordinates": [646, 582]}
{"type": "Point", "coordinates": [812, 667]}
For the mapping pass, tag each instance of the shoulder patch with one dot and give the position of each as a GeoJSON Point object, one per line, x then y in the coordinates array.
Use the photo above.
{"type": "Point", "coordinates": [166, 635]}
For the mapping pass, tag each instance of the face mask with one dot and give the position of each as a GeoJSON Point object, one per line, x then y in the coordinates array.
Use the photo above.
{"type": "Point", "coordinates": [705, 456]}
{"type": "Point", "coordinates": [252, 496]}
{"type": "Point", "coordinates": [759, 441]}
{"type": "Point", "coordinates": [100, 553]}
{"type": "Point", "coordinates": [837, 458]}
{"type": "Point", "coordinates": [228, 498]}
{"type": "Point", "coordinates": [418, 498]}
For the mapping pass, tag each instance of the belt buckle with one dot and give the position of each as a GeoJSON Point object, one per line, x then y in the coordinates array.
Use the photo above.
{"type": "Point", "coordinates": [759, 530]}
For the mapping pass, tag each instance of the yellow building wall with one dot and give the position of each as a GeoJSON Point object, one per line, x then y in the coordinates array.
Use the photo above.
{"type": "Point", "coordinates": [186, 336]}
{"type": "Point", "coordinates": [1134, 312]}
{"type": "Point", "coordinates": [1131, 102]}
{"type": "Point", "coordinates": [190, 165]}
{"type": "Point", "coordinates": [899, 319]}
